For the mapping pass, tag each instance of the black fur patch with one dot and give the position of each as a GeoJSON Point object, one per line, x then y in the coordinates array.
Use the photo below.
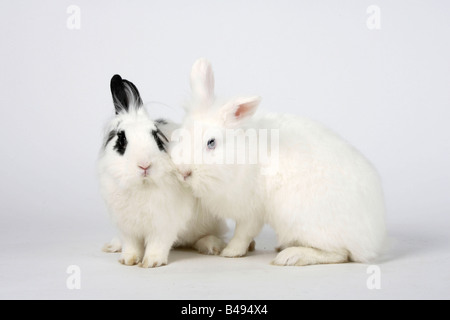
{"type": "Point", "coordinates": [160, 139]}
{"type": "Point", "coordinates": [121, 143]}
{"type": "Point", "coordinates": [111, 136]}
{"type": "Point", "coordinates": [122, 91]}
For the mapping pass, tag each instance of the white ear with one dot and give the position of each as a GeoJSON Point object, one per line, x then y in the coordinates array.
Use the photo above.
{"type": "Point", "coordinates": [202, 81]}
{"type": "Point", "coordinates": [239, 109]}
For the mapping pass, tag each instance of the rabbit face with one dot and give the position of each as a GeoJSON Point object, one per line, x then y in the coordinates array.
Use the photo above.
{"type": "Point", "coordinates": [209, 144]}
{"type": "Point", "coordinates": [209, 155]}
{"type": "Point", "coordinates": [200, 154]}
{"type": "Point", "coordinates": [135, 149]}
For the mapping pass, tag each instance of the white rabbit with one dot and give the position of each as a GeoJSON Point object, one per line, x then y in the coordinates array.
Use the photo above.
{"type": "Point", "coordinates": [150, 207]}
{"type": "Point", "coordinates": [321, 196]}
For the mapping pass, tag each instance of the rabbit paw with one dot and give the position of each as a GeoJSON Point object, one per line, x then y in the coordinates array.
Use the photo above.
{"type": "Point", "coordinates": [129, 259]}
{"type": "Point", "coordinates": [289, 257]}
{"type": "Point", "coordinates": [235, 251]}
{"type": "Point", "coordinates": [210, 245]}
{"type": "Point", "coordinates": [113, 247]}
{"type": "Point", "coordinates": [153, 261]}
{"type": "Point", "coordinates": [300, 256]}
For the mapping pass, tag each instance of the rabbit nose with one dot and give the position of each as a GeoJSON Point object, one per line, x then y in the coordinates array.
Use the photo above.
{"type": "Point", "coordinates": [144, 167]}
{"type": "Point", "coordinates": [187, 174]}
{"type": "Point", "coordinates": [185, 171]}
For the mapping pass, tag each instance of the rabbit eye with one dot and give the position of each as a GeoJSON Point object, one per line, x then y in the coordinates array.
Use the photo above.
{"type": "Point", "coordinates": [121, 143]}
{"type": "Point", "coordinates": [211, 144]}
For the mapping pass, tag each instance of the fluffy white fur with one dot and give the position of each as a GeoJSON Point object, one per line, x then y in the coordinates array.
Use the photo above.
{"type": "Point", "coordinates": [152, 210]}
{"type": "Point", "coordinates": [325, 202]}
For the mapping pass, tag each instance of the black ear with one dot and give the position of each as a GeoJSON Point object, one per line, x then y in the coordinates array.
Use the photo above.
{"type": "Point", "coordinates": [124, 94]}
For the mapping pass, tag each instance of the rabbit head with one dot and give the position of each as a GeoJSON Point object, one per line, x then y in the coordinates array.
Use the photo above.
{"type": "Point", "coordinates": [134, 150]}
{"type": "Point", "coordinates": [208, 149]}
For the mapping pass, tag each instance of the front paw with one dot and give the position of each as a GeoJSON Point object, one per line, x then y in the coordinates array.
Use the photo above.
{"type": "Point", "coordinates": [129, 259]}
{"type": "Point", "coordinates": [153, 261]}
{"type": "Point", "coordinates": [235, 251]}
{"type": "Point", "coordinates": [210, 245]}
{"type": "Point", "coordinates": [113, 247]}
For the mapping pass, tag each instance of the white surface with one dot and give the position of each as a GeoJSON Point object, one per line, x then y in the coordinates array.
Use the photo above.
{"type": "Point", "coordinates": [415, 268]}
{"type": "Point", "coordinates": [386, 91]}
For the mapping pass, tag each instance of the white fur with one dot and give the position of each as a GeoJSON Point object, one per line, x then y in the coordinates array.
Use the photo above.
{"type": "Point", "coordinates": [325, 202]}
{"type": "Point", "coordinates": [152, 212]}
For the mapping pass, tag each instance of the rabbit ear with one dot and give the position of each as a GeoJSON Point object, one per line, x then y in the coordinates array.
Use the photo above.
{"type": "Point", "coordinates": [125, 94]}
{"type": "Point", "coordinates": [239, 109]}
{"type": "Point", "coordinates": [202, 81]}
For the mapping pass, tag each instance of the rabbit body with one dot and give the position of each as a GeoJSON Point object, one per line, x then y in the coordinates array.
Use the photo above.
{"type": "Point", "coordinates": [325, 195]}
{"type": "Point", "coordinates": [152, 210]}
{"type": "Point", "coordinates": [322, 197]}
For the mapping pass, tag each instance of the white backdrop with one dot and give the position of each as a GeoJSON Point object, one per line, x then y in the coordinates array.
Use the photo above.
{"type": "Point", "coordinates": [385, 90]}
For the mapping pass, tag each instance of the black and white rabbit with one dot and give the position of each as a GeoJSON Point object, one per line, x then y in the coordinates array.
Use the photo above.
{"type": "Point", "coordinates": [152, 210]}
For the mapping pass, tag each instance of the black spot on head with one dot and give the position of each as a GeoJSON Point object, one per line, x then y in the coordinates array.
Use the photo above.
{"type": "Point", "coordinates": [121, 143]}
{"type": "Point", "coordinates": [160, 139]}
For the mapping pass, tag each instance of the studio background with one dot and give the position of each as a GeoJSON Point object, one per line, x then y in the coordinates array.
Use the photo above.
{"type": "Point", "coordinates": [386, 90]}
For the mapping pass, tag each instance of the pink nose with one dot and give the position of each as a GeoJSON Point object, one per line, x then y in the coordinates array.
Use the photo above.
{"type": "Point", "coordinates": [187, 174]}
{"type": "Point", "coordinates": [144, 168]}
